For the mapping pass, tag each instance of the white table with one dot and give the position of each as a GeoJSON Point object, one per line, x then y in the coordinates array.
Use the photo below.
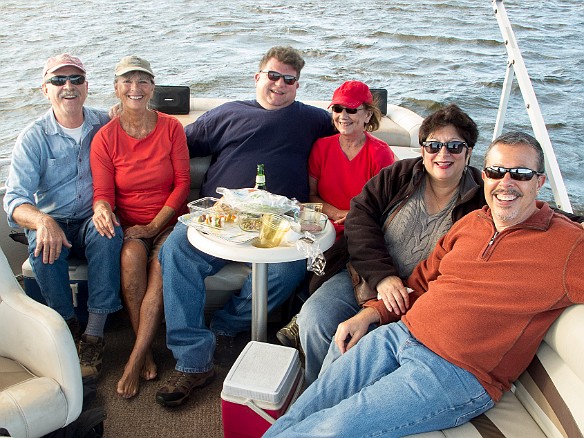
{"type": "Point", "coordinates": [259, 257]}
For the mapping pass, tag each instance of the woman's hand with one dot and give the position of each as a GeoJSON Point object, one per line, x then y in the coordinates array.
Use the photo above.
{"type": "Point", "coordinates": [340, 217]}
{"type": "Point", "coordinates": [140, 232]}
{"type": "Point", "coordinates": [104, 219]}
{"type": "Point", "coordinates": [349, 332]}
{"type": "Point", "coordinates": [394, 294]}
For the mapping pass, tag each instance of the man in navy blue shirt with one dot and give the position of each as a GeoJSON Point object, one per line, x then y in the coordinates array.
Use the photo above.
{"type": "Point", "coordinates": [273, 129]}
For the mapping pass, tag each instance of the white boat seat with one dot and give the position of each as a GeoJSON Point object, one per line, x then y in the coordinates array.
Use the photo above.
{"type": "Point", "coordinates": [40, 378]}
{"type": "Point", "coordinates": [548, 398]}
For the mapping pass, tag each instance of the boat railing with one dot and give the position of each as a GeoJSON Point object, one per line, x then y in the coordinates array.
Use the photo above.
{"type": "Point", "coordinates": [516, 69]}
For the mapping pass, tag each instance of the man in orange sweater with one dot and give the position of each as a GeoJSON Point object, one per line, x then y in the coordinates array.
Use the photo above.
{"type": "Point", "coordinates": [483, 302]}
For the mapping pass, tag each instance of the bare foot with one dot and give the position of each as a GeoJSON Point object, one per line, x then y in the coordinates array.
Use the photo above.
{"type": "Point", "coordinates": [149, 369]}
{"type": "Point", "coordinates": [129, 384]}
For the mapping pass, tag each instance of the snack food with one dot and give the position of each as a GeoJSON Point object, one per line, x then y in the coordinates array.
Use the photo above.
{"type": "Point", "coordinates": [216, 220]}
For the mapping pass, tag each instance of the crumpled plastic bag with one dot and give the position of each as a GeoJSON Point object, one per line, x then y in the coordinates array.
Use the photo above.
{"type": "Point", "coordinates": [308, 245]}
{"type": "Point", "coordinates": [258, 201]}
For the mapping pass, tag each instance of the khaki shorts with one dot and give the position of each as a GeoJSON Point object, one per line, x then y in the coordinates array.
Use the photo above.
{"type": "Point", "coordinates": [153, 244]}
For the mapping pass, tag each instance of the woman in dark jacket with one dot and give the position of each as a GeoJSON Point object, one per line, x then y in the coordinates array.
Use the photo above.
{"type": "Point", "coordinates": [393, 224]}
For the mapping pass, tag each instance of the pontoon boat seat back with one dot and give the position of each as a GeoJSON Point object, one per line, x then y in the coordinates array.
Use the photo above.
{"type": "Point", "coordinates": [40, 379]}
{"type": "Point", "coordinates": [548, 398]}
{"type": "Point", "coordinates": [399, 129]}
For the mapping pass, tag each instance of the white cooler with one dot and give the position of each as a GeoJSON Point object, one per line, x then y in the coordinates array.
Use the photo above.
{"type": "Point", "coordinates": [262, 383]}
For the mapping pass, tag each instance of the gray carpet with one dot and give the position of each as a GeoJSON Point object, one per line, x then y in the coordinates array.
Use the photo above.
{"type": "Point", "coordinates": [141, 416]}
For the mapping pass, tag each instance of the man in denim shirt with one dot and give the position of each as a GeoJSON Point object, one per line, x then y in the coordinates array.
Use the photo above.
{"type": "Point", "coordinates": [49, 193]}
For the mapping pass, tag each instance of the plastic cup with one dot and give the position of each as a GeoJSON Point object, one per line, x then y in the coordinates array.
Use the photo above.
{"type": "Point", "coordinates": [272, 231]}
{"type": "Point", "coordinates": [316, 206]}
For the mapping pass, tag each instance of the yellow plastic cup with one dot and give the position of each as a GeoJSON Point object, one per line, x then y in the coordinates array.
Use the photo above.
{"type": "Point", "coordinates": [272, 231]}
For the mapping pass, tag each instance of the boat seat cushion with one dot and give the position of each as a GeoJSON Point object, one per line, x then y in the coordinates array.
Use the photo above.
{"type": "Point", "coordinates": [28, 402]}
{"type": "Point", "coordinates": [507, 419]}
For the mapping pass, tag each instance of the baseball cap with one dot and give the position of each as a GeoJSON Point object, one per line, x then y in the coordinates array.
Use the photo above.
{"type": "Point", "coordinates": [62, 60]}
{"type": "Point", "coordinates": [352, 94]}
{"type": "Point", "coordinates": [133, 63]}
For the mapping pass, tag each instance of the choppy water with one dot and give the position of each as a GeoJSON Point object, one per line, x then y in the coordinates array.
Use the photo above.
{"type": "Point", "coordinates": [425, 52]}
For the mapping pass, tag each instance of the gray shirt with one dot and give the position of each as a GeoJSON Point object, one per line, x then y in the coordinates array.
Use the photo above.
{"type": "Point", "coordinates": [412, 234]}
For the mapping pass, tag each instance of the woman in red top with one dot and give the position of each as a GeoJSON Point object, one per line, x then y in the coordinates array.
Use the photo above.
{"type": "Point", "coordinates": [140, 167]}
{"type": "Point", "coordinates": [340, 165]}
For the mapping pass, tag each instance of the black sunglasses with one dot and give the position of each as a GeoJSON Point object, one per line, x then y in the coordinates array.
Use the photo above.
{"type": "Point", "coordinates": [454, 147]}
{"type": "Point", "coordinates": [59, 81]}
{"type": "Point", "coordinates": [339, 109]}
{"type": "Point", "coordinates": [275, 76]}
{"type": "Point", "coordinates": [516, 173]}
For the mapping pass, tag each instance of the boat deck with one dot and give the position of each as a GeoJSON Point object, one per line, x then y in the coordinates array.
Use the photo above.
{"type": "Point", "coordinates": [141, 416]}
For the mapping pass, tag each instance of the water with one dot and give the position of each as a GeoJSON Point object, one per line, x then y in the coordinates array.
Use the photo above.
{"type": "Point", "coordinates": [425, 53]}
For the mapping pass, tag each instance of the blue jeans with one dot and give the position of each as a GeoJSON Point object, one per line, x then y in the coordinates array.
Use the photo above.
{"type": "Point", "coordinates": [184, 269]}
{"type": "Point", "coordinates": [331, 304]}
{"type": "Point", "coordinates": [388, 385]}
{"type": "Point", "coordinates": [103, 268]}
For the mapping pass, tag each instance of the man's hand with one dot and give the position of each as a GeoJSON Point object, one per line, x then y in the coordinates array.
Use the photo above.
{"type": "Point", "coordinates": [50, 239]}
{"type": "Point", "coordinates": [349, 332]}
{"type": "Point", "coordinates": [104, 219]}
{"type": "Point", "coordinates": [394, 294]}
{"type": "Point", "coordinates": [115, 111]}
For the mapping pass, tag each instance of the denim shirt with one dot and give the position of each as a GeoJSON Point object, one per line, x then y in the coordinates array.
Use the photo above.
{"type": "Point", "coordinates": [51, 171]}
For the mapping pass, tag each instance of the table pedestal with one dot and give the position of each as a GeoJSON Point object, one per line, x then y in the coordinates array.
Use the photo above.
{"type": "Point", "coordinates": [259, 309]}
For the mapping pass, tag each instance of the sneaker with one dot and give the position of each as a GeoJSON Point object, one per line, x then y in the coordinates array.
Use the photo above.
{"type": "Point", "coordinates": [289, 335]}
{"type": "Point", "coordinates": [90, 350]}
{"type": "Point", "coordinates": [179, 385]}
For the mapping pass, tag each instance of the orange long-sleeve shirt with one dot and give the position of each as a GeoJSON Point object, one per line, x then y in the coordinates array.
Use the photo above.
{"type": "Point", "coordinates": [485, 300]}
{"type": "Point", "coordinates": [138, 177]}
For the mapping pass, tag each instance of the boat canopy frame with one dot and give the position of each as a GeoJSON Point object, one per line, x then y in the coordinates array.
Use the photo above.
{"type": "Point", "coordinates": [516, 69]}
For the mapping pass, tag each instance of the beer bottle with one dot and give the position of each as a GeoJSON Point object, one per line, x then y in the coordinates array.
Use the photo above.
{"type": "Point", "coordinates": [260, 181]}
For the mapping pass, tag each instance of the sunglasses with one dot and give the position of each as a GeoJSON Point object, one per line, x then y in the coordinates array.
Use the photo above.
{"type": "Point", "coordinates": [59, 81]}
{"type": "Point", "coordinates": [339, 109]}
{"type": "Point", "coordinates": [454, 147]}
{"type": "Point", "coordinates": [516, 173]}
{"type": "Point", "coordinates": [275, 76]}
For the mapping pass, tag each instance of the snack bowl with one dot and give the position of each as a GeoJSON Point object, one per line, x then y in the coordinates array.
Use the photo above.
{"type": "Point", "coordinates": [312, 221]}
{"type": "Point", "coordinates": [249, 221]}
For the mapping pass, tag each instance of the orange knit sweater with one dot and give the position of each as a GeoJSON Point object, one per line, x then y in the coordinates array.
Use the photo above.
{"type": "Point", "coordinates": [485, 300]}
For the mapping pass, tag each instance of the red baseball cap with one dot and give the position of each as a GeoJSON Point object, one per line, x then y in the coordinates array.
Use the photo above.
{"type": "Point", "coordinates": [62, 60]}
{"type": "Point", "coordinates": [352, 94]}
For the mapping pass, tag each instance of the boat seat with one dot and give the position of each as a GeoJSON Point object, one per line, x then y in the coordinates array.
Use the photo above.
{"type": "Point", "coordinates": [40, 379]}
{"type": "Point", "coordinates": [548, 398]}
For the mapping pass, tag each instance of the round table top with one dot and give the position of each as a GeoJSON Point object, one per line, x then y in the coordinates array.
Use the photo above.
{"type": "Point", "coordinates": [246, 252]}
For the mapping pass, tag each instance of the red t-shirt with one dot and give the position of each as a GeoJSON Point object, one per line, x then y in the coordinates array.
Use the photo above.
{"type": "Point", "coordinates": [138, 177]}
{"type": "Point", "coordinates": [340, 179]}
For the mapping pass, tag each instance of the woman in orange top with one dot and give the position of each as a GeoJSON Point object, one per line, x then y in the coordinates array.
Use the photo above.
{"type": "Point", "coordinates": [140, 167]}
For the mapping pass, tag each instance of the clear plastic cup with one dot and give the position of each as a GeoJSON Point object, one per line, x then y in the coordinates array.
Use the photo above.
{"type": "Point", "coordinates": [316, 206]}
{"type": "Point", "coordinates": [272, 231]}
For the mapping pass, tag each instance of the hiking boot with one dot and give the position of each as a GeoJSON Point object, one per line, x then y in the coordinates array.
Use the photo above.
{"type": "Point", "coordinates": [179, 385]}
{"type": "Point", "coordinates": [74, 328]}
{"type": "Point", "coordinates": [289, 335]}
{"type": "Point", "coordinates": [90, 350]}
